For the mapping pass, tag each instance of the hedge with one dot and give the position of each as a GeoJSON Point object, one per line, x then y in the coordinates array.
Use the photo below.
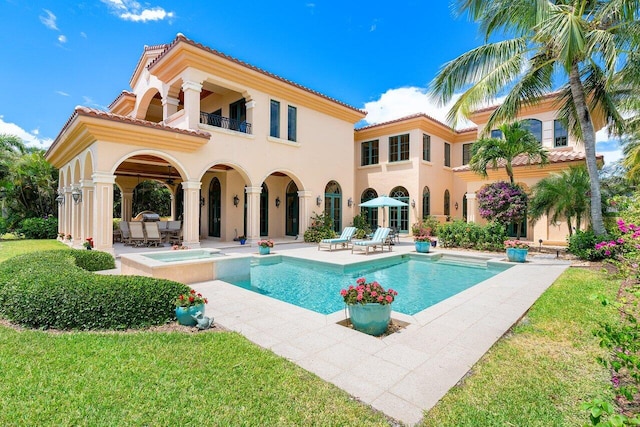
{"type": "Point", "coordinates": [461, 234]}
{"type": "Point", "coordinates": [51, 289]}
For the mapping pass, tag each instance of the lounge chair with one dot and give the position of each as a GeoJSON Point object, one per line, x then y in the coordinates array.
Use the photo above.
{"type": "Point", "coordinates": [344, 240]}
{"type": "Point", "coordinates": [137, 233]}
{"type": "Point", "coordinates": [378, 240]}
{"type": "Point", "coordinates": [174, 232]}
{"type": "Point", "coordinates": [152, 234]}
{"type": "Point", "coordinates": [125, 233]}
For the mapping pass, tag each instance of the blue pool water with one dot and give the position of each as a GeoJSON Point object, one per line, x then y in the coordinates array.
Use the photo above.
{"type": "Point", "coordinates": [420, 283]}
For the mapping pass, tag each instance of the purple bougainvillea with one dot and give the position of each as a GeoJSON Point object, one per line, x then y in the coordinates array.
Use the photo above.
{"type": "Point", "coordinates": [502, 202]}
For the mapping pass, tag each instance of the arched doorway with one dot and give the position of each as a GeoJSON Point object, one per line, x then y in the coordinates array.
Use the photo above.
{"type": "Point", "coordinates": [293, 214]}
{"type": "Point", "coordinates": [399, 216]}
{"type": "Point", "coordinates": [264, 210]}
{"type": "Point", "coordinates": [215, 207]}
{"type": "Point", "coordinates": [333, 204]}
{"type": "Point", "coordinates": [371, 214]}
{"type": "Point", "coordinates": [426, 202]}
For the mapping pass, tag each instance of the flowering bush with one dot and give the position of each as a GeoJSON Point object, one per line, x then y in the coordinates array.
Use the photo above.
{"type": "Point", "coordinates": [88, 243]}
{"type": "Point", "coordinates": [363, 293]}
{"type": "Point", "coordinates": [265, 243]}
{"type": "Point", "coordinates": [515, 244]}
{"type": "Point", "coordinates": [179, 248]}
{"type": "Point", "coordinates": [502, 202]}
{"type": "Point", "coordinates": [68, 236]}
{"type": "Point", "coordinates": [190, 299]}
{"type": "Point", "coordinates": [627, 243]}
{"type": "Point", "coordinates": [422, 238]}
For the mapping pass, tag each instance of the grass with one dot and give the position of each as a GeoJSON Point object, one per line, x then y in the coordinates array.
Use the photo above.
{"type": "Point", "coordinates": [541, 373]}
{"type": "Point", "coordinates": [11, 248]}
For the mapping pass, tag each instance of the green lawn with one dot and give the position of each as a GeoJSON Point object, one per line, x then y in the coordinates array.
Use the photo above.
{"type": "Point", "coordinates": [12, 248]}
{"type": "Point", "coordinates": [539, 374]}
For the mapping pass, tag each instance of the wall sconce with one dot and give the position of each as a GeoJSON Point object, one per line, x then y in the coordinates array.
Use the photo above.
{"type": "Point", "coordinates": [277, 202]}
{"type": "Point", "coordinates": [413, 203]}
{"type": "Point", "coordinates": [202, 201]}
{"type": "Point", "coordinates": [60, 199]}
{"type": "Point", "coordinates": [76, 193]}
{"type": "Point", "coordinates": [350, 202]}
{"type": "Point", "coordinates": [456, 205]}
{"type": "Point", "coordinates": [236, 200]}
{"type": "Point", "coordinates": [318, 200]}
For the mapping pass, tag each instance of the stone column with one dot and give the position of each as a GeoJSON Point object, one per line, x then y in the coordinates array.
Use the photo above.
{"type": "Point", "coordinates": [304, 206]}
{"type": "Point", "coordinates": [250, 105]}
{"type": "Point", "coordinates": [191, 91]}
{"type": "Point", "coordinates": [126, 205]}
{"type": "Point", "coordinates": [173, 205]}
{"type": "Point", "coordinates": [253, 213]}
{"type": "Point", "coordinates": [191, 223]}
{"type": "Point", "coordinates": [76, 219]}
{"type": "Point", "coordinates": [103, 211]}
{"type": "Point", "coordinates": [471, 207]}
{"type": "Point", "coordinates": [169, 106]}
{"type": "Point", "coordinates": [68, 208]}
{"type": "Point", "coordinates": [86, 208]}
{"type": "Point", "coordinates": [61, 212]}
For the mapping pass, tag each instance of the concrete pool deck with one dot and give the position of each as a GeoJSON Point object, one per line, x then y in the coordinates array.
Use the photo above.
{"type": "Point", "coordinates": [405, 373]}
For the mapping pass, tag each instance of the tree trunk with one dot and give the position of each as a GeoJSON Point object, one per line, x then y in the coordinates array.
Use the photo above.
{"type": "Point", "coordinates": [589, 140]}
{"type": "Point", "coordinates": [570, 227]}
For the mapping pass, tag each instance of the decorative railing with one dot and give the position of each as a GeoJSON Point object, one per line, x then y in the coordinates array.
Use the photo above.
{"type": "Point", "coordinates": [225, 122]}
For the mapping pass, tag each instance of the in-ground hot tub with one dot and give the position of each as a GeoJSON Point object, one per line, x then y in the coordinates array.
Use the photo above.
{"type": "Point", "coordinates": [186, 266]}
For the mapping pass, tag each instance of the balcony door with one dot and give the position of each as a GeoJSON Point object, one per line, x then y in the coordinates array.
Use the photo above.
{"type": "Point", "coordinates": [238, 115]}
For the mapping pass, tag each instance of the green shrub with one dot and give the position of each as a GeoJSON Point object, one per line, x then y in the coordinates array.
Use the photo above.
{"type": "Point", "coordinates": [93, 260]}
{"type": "Point", "coordinates": [321, 228]}
{"type": "Point", "coordinates": [39, 228]}
{"type": "Point", "coordinates": [582, 244]}
{"type": "Point", "coordinates": [460, 234]}
{"type": "Point", "coordinates": [3, 226]}
{"type": "Point", "coordinates": [362, 226]}
{"type": "Point", "coordinates": [48, 290]}
{"type": "Point", "coordinates": [428, 226]}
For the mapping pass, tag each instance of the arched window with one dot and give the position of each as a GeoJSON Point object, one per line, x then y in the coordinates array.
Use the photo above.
{"type": "Point", "coordinates": [426, 202]}
{"type": "Point", "coordinates": [371, 214]}
{"type": "Point", "coordinates": [399, 216]}
{"type": "Point", "coordinates": [333, 204]}
{"type": "Point", "coordinates": [292, 211]}
{"type": "Point", "coordinates": [535, 127]}
{"type": "Point", "coordinates": [447, 203]}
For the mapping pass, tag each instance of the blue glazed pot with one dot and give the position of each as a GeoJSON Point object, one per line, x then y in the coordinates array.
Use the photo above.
{"type": "Point", "coordinates": [423, 247]}
{"type": "Point", "coordinates": [371, 318]}
{"type": "Point", "coordinates": [184, 314]}
{"type": "Point", "coordinates": [264, 250]}
{"type": "Point", "coordinates": [517, 255]}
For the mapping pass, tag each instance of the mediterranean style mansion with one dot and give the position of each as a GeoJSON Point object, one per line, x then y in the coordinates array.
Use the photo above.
{"type": "Point", "coordinates": [246, 152]}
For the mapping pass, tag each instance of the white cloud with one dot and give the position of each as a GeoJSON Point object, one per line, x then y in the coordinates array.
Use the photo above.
{"type": "Point", "coordinates": [405, 101]}
{"type": "Point", "coordinates": [83, 34]}
{"type": "Point", "coordinates": [49, 20]}
{"type": "Point", "coordinates": [130, 10]}
{"type": "Point", "coordinates": [59, 92]}
{"type": "Point", "coordinates": [31, 139]}
{"type": "Point", "coordinates": [62, 38]}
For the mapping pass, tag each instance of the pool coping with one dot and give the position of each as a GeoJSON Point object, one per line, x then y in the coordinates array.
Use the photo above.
{"type": "Point", "coordinates": [415, 366]}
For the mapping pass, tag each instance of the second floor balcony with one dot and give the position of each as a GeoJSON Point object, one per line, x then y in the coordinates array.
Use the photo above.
{"type": "Point", "coordinates": [225, 122]}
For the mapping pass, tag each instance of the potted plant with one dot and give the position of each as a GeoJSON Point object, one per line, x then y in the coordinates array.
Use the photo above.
{"type": "Point", "coordinates": [188, 305]}
{"type": "Point", "coordinates": [369, 306]}
{"type": "Point", "coordinates": [88, 243]}
{"type": "Point", "coordinates": [264, 246]}
{"type": "Point", "coordinates": [68, 237]}
{"type": "Point", "coordinates": [242, 239]}
{"type": "Point", "coordinates": [517, 250]}
{"type": "Point", "coordinates": [422, 242]}
{"type": "Point", "coordinates": [61, 236]}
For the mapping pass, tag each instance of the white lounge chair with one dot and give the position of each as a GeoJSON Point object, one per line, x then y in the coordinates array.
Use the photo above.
{"type": "Point", "coordinates": [344, 240]}
{"type": "Point", "coordinates": [152, 234]}
{"type": "Point", "coordinates": [124, 232]}
{"type": "Point", "coordinates": [378, 240]}
{"type": "Point", "coordinates": [137, 233]}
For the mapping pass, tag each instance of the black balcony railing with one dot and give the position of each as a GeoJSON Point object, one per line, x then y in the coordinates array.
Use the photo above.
{"type": "Point", "coordinates": [225, 122]}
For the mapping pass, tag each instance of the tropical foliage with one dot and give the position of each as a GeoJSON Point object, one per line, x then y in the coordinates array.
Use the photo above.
{"type": "Point", "coordinates": [588, 44]}
{"type": "Point", "coordinates": [503, 203]}
{"type": "Point", "coordinates": [518, 140]}
{"type": "Point", "coordinates": [562, 196]}
{"type": "Point", "coordinates": [461, 234]}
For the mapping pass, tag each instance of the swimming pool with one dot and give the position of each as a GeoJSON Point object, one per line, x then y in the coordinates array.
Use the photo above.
{"type": "Point", "coordinates": [420, 282]}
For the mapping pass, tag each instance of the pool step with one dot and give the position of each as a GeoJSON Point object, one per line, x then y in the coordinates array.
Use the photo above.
{"type": "Point", "coordinates": [463, 260]}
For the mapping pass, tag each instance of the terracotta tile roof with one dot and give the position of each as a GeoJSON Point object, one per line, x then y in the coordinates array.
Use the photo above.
{"type": "Point", "coordinates": [181, 38]}
{"type": "Point", "coordinates": [92, 112]}
{"type": "Point", "coordinates": [413, 116]}
{"type": "Point", "coordinates": [559, 156]}
{"type": "Point", "coordinates": [121, 95]}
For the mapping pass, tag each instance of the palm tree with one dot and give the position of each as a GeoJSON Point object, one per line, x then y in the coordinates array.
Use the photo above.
{"type": "Point", "coordinates": [518, 140]}
{"type": "Point", "coordinates": [562, 196]}
{"type": "Point", "coordinates": [588, 43]}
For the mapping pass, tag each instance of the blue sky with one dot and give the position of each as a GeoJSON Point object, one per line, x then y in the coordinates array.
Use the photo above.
{"type": "Point", "coordinates": [375, 55]}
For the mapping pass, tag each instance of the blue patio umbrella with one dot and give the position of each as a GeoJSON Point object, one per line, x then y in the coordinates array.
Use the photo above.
{"type": "Point", "coordinates": [383, 202]}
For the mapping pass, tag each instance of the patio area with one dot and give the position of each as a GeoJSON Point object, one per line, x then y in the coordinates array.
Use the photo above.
{"type": "Point", "coordinates": [413, 367]}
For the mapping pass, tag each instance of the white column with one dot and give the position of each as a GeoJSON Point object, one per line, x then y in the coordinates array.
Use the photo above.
{"type": "Point", "coordinates": [76, 219]}
{"type": "Point", "coordinates": [471, 207]}
{"type": "Point", "coordinates": [190, 225]}
{"type": "Point", "coordinates": [86, 209]}
{"type": "Point", "coordinates": [250, 105]}
{"type": "Point", "coordinates": [126, 205]}
{"type": "Point", "coordinates": [253, 213]}
{"type": "Point", "coordinates": [173, 206]}
{"type": "Point", "coordinates": [169, 106]}
{"type": "Point", "coordinates": [68, 208]}
{"type": "Point", "coordinates": [103, 211]}
{"type": "Point", "coordinates": [192, 102]}
{"type": "Point", "coordinates": [304, 207]}
{"type": "Point", "coordinates": [61, 212]}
